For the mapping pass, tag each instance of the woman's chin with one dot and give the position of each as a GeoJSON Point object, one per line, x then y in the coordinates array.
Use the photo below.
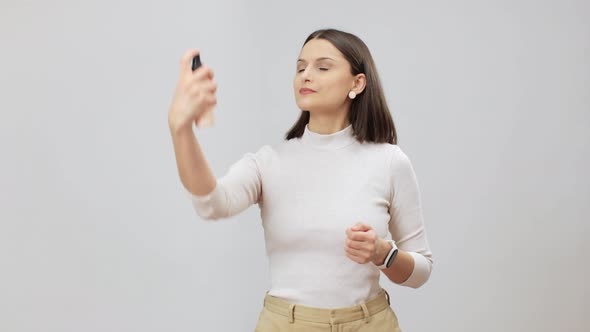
{"type": "Point", "coordinates": [307, 106]}
{"type": "Point", "coordinates": [304, 106]}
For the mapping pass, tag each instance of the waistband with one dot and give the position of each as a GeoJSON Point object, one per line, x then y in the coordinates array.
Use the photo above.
{"type": "Point", "coordinates": [324, 315]}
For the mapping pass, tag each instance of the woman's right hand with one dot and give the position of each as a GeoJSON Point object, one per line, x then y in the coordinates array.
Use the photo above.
{"type": "Point", "coordinates": [194, 95]}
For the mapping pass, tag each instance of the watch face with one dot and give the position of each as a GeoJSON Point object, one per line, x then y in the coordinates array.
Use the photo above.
{"type": "Point", "coordinates": [390, 261]}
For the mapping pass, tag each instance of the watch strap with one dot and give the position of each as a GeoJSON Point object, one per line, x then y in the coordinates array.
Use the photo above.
{"type": "Point", "coordinates": [390, 256]}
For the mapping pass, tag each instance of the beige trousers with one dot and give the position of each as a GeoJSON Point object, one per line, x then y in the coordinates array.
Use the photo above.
{"type": "Point", "coordinates": [375, 315]}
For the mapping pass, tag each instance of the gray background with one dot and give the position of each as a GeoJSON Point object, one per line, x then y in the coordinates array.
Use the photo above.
{"type": "Point", "coordinates": [491, 100]}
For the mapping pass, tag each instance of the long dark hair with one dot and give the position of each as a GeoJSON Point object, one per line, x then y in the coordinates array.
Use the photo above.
{"type": "Point", "coordinates": [369, 114]}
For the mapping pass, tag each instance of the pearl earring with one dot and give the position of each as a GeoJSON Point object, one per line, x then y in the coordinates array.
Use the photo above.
{"type": "Point", "coordinates": [352, 95]}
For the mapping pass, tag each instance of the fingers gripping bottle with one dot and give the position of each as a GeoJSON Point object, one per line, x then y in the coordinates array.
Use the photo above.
{"type": "Point", "coordinates": [206, 119]}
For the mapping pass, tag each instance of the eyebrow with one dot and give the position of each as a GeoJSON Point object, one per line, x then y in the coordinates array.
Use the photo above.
{"type": "Point", "coordinates": [318, 59]}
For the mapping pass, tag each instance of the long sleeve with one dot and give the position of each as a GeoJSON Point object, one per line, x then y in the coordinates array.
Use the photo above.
{"type": "Point", "coordinates": [237, 190]}
{"type": "Point", "coordinates": [407, 223]}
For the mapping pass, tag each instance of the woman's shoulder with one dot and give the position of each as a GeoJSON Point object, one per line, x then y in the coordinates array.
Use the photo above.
{"type": "Point", "coordinates": [268, 151]}
{"type": "Point", "coordinates": [397, 152]}
{"type": "Point", "coordinates": [391, 154]}
{"type": "Point", "coordinates": [277, 148]}
{"type": "Point", "coordinates": [392, 151]}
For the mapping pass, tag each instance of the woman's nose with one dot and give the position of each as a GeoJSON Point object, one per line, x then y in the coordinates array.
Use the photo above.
{"type": "Point", "coordinates": [305, 75]}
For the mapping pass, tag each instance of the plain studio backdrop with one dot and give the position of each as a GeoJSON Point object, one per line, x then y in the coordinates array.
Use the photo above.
{"type": "Point", "coordinates": [491, 100]}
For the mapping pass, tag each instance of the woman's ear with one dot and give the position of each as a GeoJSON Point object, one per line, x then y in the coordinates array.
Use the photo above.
{"type": "Point", "coordinates": [360, 82]}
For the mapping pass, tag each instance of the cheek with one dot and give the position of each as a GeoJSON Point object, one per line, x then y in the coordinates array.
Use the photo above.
{"type": "Point", "coordinates": [337, 86]}
{"type": "Point", "coordinates": [335, 93]}
{"type": "Point", "coordinates": [343, 85]}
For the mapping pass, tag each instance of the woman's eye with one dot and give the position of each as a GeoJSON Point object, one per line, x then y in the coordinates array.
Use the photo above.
{"type": "Point", "coordinates": [321, 68]}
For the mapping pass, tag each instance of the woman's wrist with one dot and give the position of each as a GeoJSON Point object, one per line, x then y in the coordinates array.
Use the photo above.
{"type": "Point", "coordinates": [383, 248]}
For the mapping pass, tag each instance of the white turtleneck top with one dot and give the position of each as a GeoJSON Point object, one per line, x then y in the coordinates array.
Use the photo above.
{"type": "Point", "coordinates": [309, 190]}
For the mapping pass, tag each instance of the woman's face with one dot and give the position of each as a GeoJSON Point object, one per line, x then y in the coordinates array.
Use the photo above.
{"type": "Point", "coordinates": [324, 70]}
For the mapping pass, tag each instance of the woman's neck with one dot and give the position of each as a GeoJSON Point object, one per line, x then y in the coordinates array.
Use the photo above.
{"type": "Point", "coordinates": [327, 124]}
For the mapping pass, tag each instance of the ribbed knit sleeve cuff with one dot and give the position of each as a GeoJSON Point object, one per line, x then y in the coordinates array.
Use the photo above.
{"type": "Point", "coordinates": [421, 272]}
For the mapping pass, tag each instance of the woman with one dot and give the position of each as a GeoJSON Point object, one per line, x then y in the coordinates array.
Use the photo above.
{"type": "Point", "coordinates": [339, 200]}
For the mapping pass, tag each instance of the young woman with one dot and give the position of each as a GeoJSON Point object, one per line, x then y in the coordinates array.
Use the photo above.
{"type": "Point", "coordinates": [339, 200]}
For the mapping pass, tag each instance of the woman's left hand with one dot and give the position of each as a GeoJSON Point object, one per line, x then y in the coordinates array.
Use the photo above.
{"type": "Point", "coordinates": [363, 245]}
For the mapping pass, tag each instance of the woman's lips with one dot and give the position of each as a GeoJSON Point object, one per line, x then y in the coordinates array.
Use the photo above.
{"type": "Point", "coordinates": [305, 91]}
